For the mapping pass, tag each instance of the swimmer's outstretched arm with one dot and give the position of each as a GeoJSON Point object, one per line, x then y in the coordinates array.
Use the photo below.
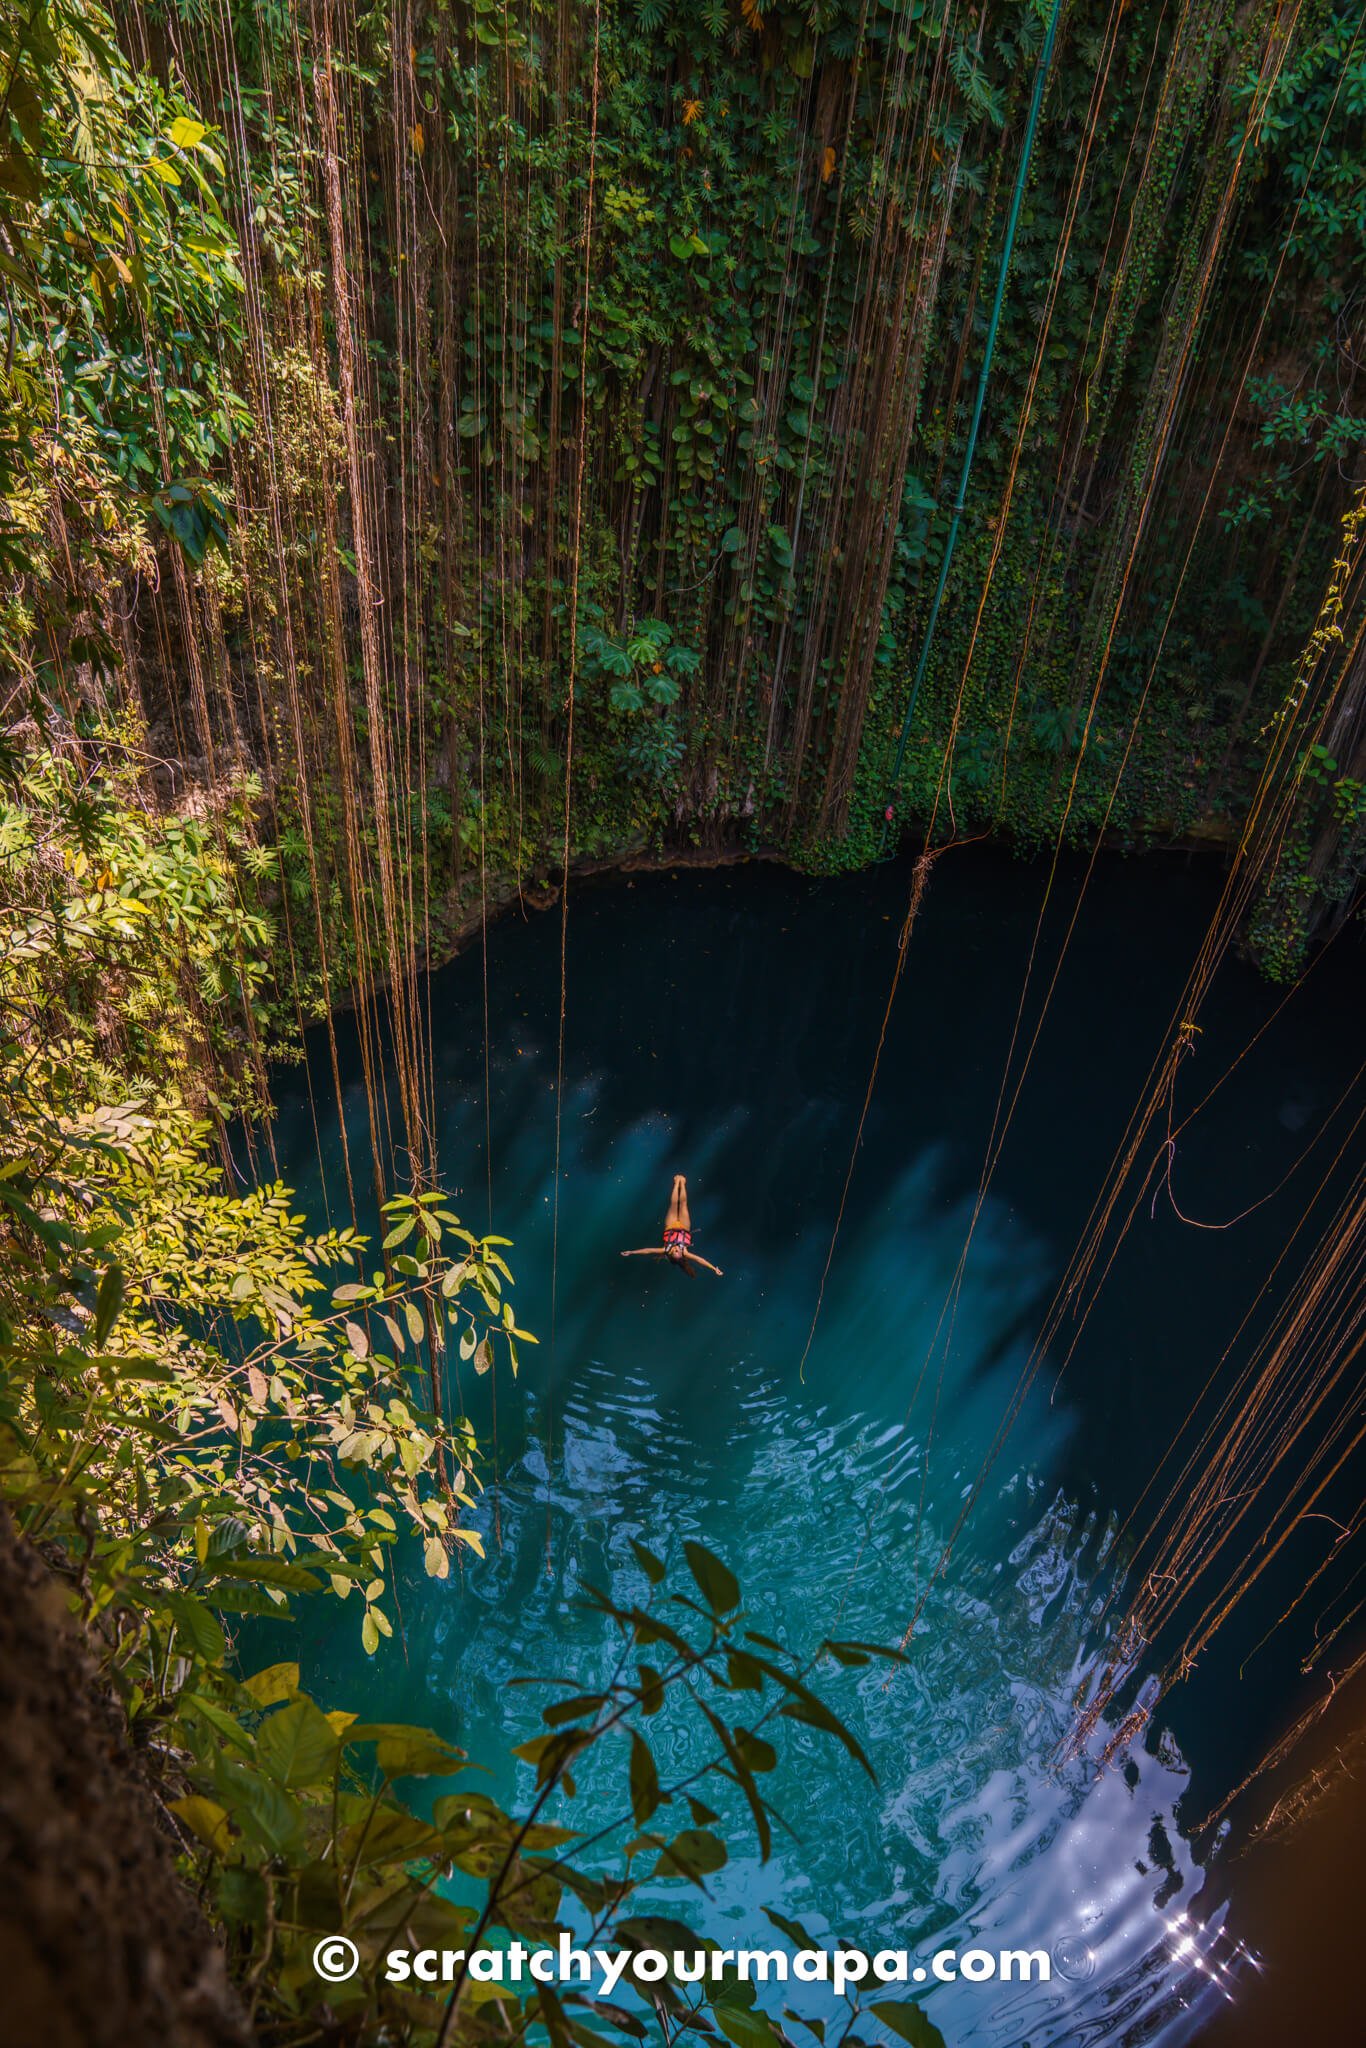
{"type": "Point", "coordinates": [696, 1259]}
{"type": "Point", "coordinates": [646, 1251]}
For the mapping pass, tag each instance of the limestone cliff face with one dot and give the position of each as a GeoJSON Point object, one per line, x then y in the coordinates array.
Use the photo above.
{"type": "Point", "coordinates": [101, 1945]}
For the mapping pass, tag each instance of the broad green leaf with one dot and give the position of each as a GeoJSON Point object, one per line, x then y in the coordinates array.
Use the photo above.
{"type": "Point", "coordinates": [745, 2027]}
{"type": "Point", "coordinates": [860, 1653]}
{"type": "Point", "coordinates": [758, 1754]}
{"type": "Point", "coordinates": [651, 1565]}
{"type": "Point", "coordinates": [199, 1627]}
{"type": "Point", "coordinates": [206, 1820]}
{"type": "Point", "coordinates": [273, 1683]}
{"type": "Point", "coordinates": [263, 1807]}
{"type": "Point", "coordinates": [745, 1778]}
{"type": "Point", "coordinates": [553, 1752]}
{"type": "Point", "coordinates": [108, 1303]}
{"type": "Point", "coordinates": [694, 1854]}
{"type": "Point", "coordinates": [644, 1780]}
{"type": "Point", "coordinates": [743, 1671]}
{"type": "Point", "coordinates": [816, 1714]}
{"type": "Point", "coordinates": [218, 1718]}
{"type": "Point", "coordinates": [908, 2020]}
{"type": "Point", "coordinates": [385, 1835]}
{"type": "Point", "coordinates": [416, 1753]}
{"type": "Point", "coordinates": [268, 1571]}
{"type": "Point", "coordinates": [579, 1708]}
{"type": "Point", "coordinates": [241, 1896]}
{"type": "Point", "coordinates": [718, 1584]}
{"type": "Point", "coordinates": [298, 1745]}
{"type": "Point", "coordinates": [793, 1929]}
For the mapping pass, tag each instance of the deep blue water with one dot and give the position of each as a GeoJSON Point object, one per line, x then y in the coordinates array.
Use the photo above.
{"type": "Point", "coordinates": [723, 1024]}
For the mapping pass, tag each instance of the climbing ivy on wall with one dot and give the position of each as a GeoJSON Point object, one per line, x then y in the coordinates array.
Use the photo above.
{"type": "Point", "coordinates": [625, 352]}
{"type": "Point", "coordinates": [442, 441]}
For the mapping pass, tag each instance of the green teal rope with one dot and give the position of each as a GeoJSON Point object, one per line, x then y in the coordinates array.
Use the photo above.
{"type": "Point", "coordinates": [1007, 250]}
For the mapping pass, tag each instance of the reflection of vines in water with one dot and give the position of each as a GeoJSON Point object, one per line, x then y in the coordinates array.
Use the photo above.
{"type": "Point", "coordinates": [719, 1441]}
{"type": "Point", "coordinates": [1280, 1399]}
{"type": "Point", "coordinates": [1278, 777]}
{"type": "Point", "coordinates": [758, 468]}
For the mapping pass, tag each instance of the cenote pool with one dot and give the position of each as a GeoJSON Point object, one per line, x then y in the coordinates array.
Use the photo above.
{"type": "Point", "coordinates": [723, 1024]}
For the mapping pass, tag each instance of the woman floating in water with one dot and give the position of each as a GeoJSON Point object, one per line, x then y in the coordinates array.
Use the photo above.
{"type": "Point", "coordinates": [677, 1243]}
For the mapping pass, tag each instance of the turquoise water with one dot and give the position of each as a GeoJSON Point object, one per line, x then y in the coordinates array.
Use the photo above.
{"type": "Point", "coordinates": [722, 1024]}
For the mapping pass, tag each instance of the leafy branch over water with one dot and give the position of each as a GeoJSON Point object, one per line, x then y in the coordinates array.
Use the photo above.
{"type": "Point", "coordinates": [196, 1424]}
{"type": "Point", "coordinates": [304, 1834]}
{"type": "Point", "coordinates": [186, 1407]}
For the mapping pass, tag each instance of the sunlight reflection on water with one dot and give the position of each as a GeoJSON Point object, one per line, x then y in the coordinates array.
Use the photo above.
{"type": "Point", "coordinates": [725, 1028]}
{"type": "Point", "coordinates": [674, 1410]}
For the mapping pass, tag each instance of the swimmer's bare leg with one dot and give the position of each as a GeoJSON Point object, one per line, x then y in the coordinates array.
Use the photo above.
{"type": "Point", "coordinates": [677, 1218]}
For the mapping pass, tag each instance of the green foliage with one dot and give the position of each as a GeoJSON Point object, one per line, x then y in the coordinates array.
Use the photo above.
{"type": "Point", "coordinates": [1314, 163]}
{"type": "Point", "coordinates": [299, 1830]}
{"type": "Point", "coordinates": [648, 424]}
{"type": "Point", "coordinates": [119, 298]}
{"type": "Point", "coordinates": [125, 933]}
{"type": "Point", "coordinates": [192, 1435]}
{"type": "Point", "coordinates": [208, 1412]}
{"type": "Point", "coordinates": [186, 1400]}
{"type": "Point", "coordinates": [635, 344]}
